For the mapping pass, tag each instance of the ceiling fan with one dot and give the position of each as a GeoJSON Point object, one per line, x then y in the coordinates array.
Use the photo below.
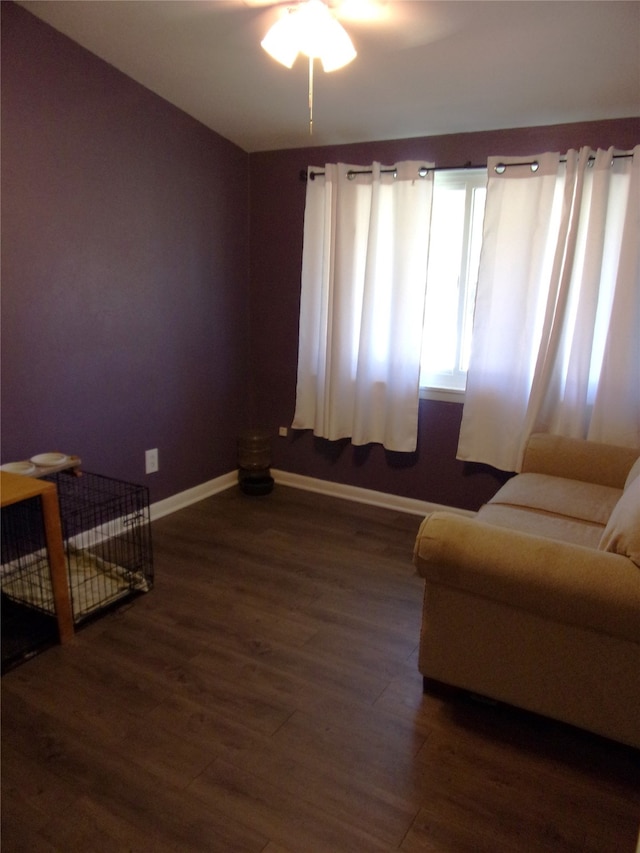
{"type": "Point", "coordinates": [358, 10]}
{"type": "Point", "coordinates": [312, 28]}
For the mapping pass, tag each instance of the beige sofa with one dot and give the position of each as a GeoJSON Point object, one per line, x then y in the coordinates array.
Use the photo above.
{"type": "Point", "coordinates": [535, 600]}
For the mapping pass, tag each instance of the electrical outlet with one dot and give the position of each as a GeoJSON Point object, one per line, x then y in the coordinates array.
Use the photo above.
{"type": "Point", "coordinates": [151, 461]}
{"type": "Point", "coordinates": [283, 431]}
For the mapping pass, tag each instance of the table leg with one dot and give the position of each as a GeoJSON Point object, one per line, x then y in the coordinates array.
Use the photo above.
{"type": "Point", "coordinates": [57, 564]}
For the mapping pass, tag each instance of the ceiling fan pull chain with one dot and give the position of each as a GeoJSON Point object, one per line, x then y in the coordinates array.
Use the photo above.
{"type": "Point", "coordinates": [311, 96]}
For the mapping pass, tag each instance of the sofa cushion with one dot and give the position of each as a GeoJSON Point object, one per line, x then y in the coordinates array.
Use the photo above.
{"type": "Point", "coordinates": [558, 527]}
{"type": "Point", "coordinates": [622, 533]}
{"type": "Point", "coordinates": [558, 496]}
{"type": "Point", "coordinates": [633, 473]}
{"type": "Point", "coordinates": [559, 580]}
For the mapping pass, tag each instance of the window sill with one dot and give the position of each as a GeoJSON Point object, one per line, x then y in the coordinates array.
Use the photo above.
{"type": "Point", "coordinates": [446, 395]}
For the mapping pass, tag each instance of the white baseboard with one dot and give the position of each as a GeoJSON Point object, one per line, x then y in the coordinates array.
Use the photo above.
{"type": "Point", "coordinates": [307, 484]}
{"type": "Point", "coordinates": [192, 496]}
{"type": "Point", "coordinates": [364, 496]}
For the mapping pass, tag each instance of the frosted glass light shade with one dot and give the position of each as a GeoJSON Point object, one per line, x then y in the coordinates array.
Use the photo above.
{"type": "Point", "coordinates": [281, 41]}
{"type": "Point", "coordinates": [310, 29]}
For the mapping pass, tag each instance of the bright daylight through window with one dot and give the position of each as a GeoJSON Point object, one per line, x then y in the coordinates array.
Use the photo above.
{"type": "Point", "coordinates": [454, 255]}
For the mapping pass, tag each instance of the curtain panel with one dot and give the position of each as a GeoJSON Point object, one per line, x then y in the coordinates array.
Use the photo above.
{"type": "Point", "coordinates": [556, 335]}
{"type": "Point", "coordinates": [364, 269]}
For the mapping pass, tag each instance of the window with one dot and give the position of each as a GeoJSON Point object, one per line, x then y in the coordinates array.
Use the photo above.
{"type": "Point", "coordinates": [454, 255]}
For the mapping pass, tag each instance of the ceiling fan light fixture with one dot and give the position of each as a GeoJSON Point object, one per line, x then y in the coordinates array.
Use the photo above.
{"type": "Point", "coordinates": [310, 28]}
{"type": "Point", "coordinates": [334, 48]}
{"type": "Point", "coordinates": [281, 42]}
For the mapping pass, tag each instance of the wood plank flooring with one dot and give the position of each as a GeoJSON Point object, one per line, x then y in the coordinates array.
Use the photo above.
{"type": "Point", "coordinates": [265, 697]}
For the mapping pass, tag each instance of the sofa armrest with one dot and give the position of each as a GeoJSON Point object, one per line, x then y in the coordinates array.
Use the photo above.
{"type": "Point", "coordinates": [576, 459]}
{"type": "Point", "coordinates": [568, 583]}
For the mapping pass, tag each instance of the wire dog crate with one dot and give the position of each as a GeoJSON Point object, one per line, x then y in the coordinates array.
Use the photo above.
{"type": "Point", "coordinates": [107, 539]}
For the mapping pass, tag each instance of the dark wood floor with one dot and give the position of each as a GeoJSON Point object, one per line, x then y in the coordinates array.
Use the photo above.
{"type": "Point", "coordinates": [265, 697]}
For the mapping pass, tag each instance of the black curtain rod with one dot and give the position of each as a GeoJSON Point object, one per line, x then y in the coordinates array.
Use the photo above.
{"type": "Point", "coordinates": [424, 170]}
{"type": "Point", "coordinates": [535, 165]}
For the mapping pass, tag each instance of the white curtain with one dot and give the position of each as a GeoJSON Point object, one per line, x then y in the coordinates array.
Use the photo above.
{"type": "Point", "coordinates": [556, 336]}
{"type": "Point", "coordinates": [364, 269]}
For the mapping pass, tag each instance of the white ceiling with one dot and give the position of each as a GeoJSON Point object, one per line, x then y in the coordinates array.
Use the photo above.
{"type": "Point", "coordinates": [423, 67]}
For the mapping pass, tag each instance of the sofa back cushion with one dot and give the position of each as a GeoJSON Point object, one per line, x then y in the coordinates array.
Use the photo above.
{"type": "Point", "coordinates": [634, 473]}
{"type": "Point", "coordinates": [622, 532]}
{"type": "Point", "coordinates": [575, 459]}
{"type": "Point", "coordinates": [559, 496]}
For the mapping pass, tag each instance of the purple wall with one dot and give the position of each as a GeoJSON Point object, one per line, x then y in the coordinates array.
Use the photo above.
{"type": "Point", "coordinates": [125, 275]}
{"type": "Point", "coordinates": [277, 207]}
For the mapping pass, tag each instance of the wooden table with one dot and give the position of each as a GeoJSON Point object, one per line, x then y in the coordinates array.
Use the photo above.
{"type": "Point", "coordinates": [15, 488]}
